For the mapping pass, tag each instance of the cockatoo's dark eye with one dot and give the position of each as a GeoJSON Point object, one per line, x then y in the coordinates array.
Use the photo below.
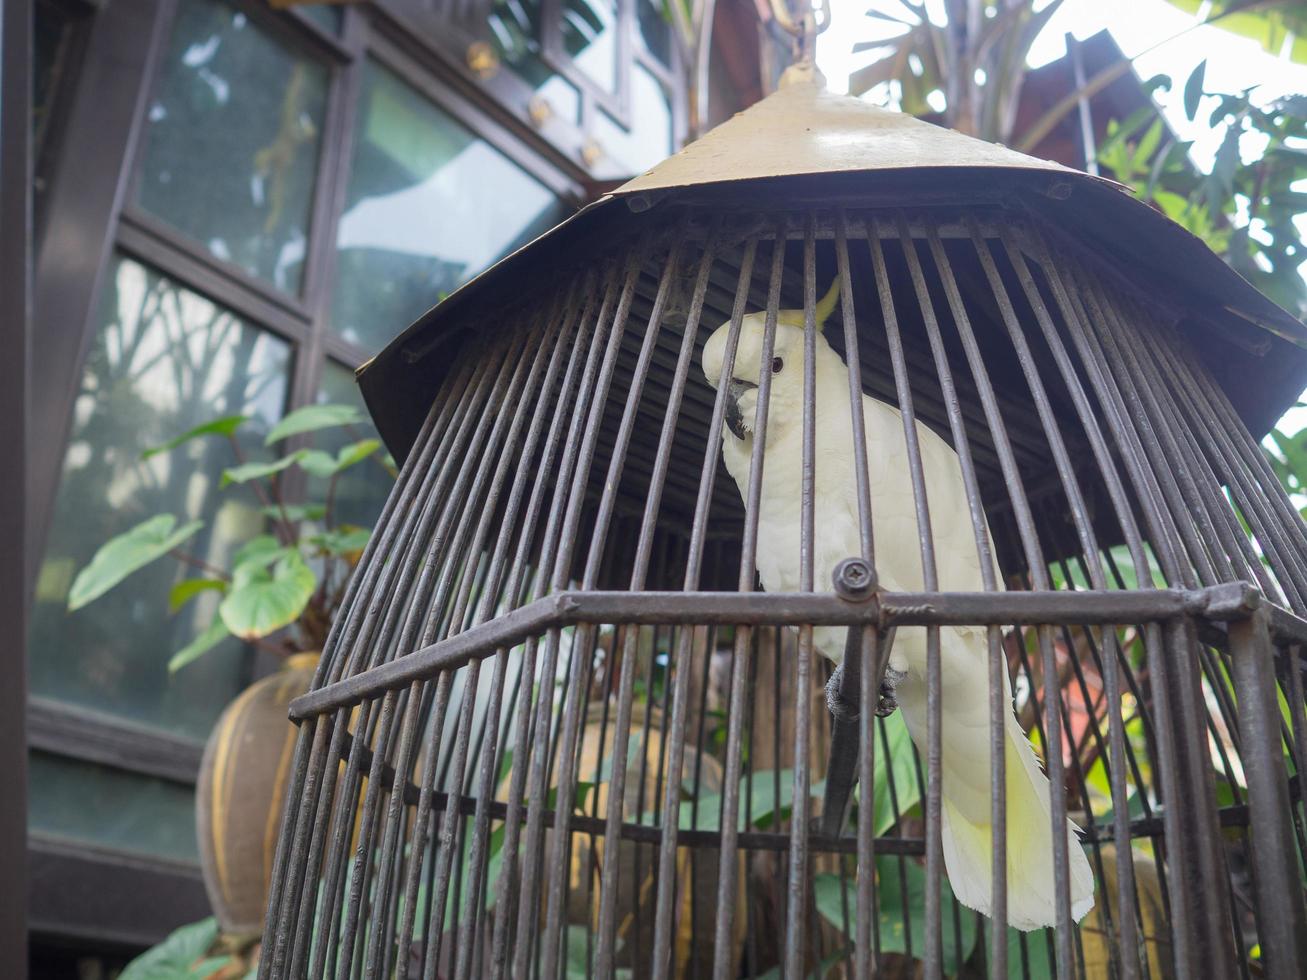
{"type": "Point", "coordinates": [776, 365]}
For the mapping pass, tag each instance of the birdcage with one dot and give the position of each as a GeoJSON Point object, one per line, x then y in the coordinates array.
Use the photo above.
{"type": "Point", "coordinates": [573, 719]}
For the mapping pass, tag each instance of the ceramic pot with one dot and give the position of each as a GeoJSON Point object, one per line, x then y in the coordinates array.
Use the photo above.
{"type": "Point", "coordinates": [240, 795]}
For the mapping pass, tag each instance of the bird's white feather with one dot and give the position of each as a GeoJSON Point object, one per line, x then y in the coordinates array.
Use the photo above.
{"type": "Point", "coordinates": [966, 826]}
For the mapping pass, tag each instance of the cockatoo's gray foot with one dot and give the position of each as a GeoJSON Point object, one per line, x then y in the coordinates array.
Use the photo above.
{"type": "Point", "coordinates": [840, 709]}
{"type": "Point", "coordinates": [888, 704]}
{"type": "Point", "coordinates": [844, 710]}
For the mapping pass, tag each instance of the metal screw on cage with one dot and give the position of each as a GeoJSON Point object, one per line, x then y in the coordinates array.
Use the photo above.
{"type": "Point", "coordinates": [854, 579]}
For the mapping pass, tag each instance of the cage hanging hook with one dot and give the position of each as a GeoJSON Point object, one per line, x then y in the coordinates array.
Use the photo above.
{"type": "Point", "coordinates": [804, 27]}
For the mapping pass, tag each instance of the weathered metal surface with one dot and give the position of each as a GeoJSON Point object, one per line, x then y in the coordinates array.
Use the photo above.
{"type": "Point", "coordinates": [560, 582]}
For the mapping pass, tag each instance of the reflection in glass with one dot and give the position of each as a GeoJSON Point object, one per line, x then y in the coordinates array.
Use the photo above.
{"type": "Point", "coordinates": [649, 141]}
{"type": "Point", "coordinates": [232, 141]}
{"type": "Point", "coordinates": [164, 360]}
{"type": "Point", "coordinates": [515, 32]}
{"type": "Point", "coordinates": [590, 37]}
{"type": "Point", "coordinates": [429, 205]}
{"type": "Point", "coordinates": [360, 490]}
{"type": "Point", "coordinates": [328, 16]}
{"type": "Point", "coordinates": [655, 28]}
{"type": "Point", "coordinates": [111, 808]}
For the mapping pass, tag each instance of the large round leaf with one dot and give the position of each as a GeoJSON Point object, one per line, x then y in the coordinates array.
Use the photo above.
{"type": "Point", "coordinates": [265, 597]}
{"type": "Point", "coordinates": [182, 956]}
{"type": "Point", "coordinates": [119, 557]}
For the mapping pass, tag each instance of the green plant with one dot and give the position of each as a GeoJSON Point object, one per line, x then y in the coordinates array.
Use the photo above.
{"type": "Point", "coordinates": [184, 955]}
{"type": "Point", "coordinates": [1244, 211]}
{"type": "Point", "coordinates": [292, 576]}
{"type": "Point", "coordinates": [972, 62]}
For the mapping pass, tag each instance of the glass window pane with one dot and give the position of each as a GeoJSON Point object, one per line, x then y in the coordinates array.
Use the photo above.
{"type": "Point", "coordinates": [649, 140]}
{"type": "Point", "coordinates": [655, 28]}
{"type": "Point", "coordinates": [232, 141]}
{"type": "Point", "coordinates": [164, 360]}
{"type": "Point", "coordinates": [514, 30]}
{"type": "Point", "coordinates": [590, 36]}
{"type": "Point", "coordinates": [429, 206]}
{"type": "Point", "coordinates": [112, 808]}
{"type": "Point", "coordinates": [328, 16]}
{"type": "Point", "coordinates": [360, 490]}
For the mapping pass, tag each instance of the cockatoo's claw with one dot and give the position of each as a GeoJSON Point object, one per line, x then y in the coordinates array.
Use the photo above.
{"type": "Point", "coordinates": [840, 709]}
{"type": "Point", "coordinates": [888, 703]}
{"type": "Point", "coordinates": [843, 710]}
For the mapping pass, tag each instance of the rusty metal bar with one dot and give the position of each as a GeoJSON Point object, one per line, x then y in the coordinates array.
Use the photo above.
{"type": "Point", "coordinates": [597, 390]}
{"type": "Point", "coordinates": [607, 926]}
{"type": "Point", "coordinates": [726, 884]}
{"type": "Point", "coordinates": [1086, 607]}
{"type": "Point", "coordinates": [1281, 921]}
{"type": "Point", "coordinates": [694, 557]}
{"type": "Point", "coordinates": [797, 880]}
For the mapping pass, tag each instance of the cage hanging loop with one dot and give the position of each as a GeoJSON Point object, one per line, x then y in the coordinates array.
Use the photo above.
{"type": "Point", "coordinates": [803, 27]}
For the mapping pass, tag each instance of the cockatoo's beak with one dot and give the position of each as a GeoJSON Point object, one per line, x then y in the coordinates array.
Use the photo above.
{"type": "Point", "coordinates": [735, 420]}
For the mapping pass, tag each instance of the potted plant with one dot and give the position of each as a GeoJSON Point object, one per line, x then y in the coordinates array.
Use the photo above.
{"type": "Point", "coordinates": [279, 592]}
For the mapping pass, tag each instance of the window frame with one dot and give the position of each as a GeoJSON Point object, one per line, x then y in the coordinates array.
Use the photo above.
{"type": "Point", "coordinates": [448, 30]}
{"type": "Point", "coordinates": [91, 199]}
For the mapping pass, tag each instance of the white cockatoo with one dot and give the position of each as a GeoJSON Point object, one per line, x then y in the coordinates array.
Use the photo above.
{"type": "Point", "coordinates": [964, 651]}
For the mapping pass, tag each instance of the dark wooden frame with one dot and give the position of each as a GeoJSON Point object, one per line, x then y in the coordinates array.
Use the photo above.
{"type": "Point", "coordinates": [77, 889]}
{"type": "Point", "coordinates": [15, 332]}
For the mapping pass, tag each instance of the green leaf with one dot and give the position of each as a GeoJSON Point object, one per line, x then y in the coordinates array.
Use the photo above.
{"type": "Point", "coordinates": [1037, 964]}
{"type": "Point", "coordinates": [218, 427]}
{"type": "Point", "coordinates": [213, 634]}
{"type": "Point", "coordinates": [262, 548]}
{"type": "Point", "coordinates": [254, 471]}
{"type": "Point", "coordinates": [356, 452]}
{"type": "Point", "coordinates": [1172, 204]}
{"type": "Point", "coordinates": [894, 756]}
{"type": "Point", "coordinates": [316, 463]}
{"type": "Point", "coordinates": [759, 803]}
{"type": "Point", "coordinates": [505, 767]}
{"type": "Point", "coordinates": [901, 912]}
{"type": "Point", "coordinates": [188, 588]}
{"type": "Point", "coordinates": [295, 512]}
{"type": "Point", "coordinates": [345, 540]}
{"type": "Point", "coordinates": [494, 864]}
{"type": "Point", "coordinates": [1269, 24]}
{"type": "Point", "coordinates": [323, 464]}
{"type": "Point", "coordinates": [632, 754]}
{"type": "Point", "coordinates": [311, 418]}
{"type": "Point", "coordinates": [178, 956]}
{"type": "Point", "coordinates": [1220, 184]}
{"type": "Point", "coordinates": [120, 556]}
{"type": "Point", "coordinates": [1193, 89]}
{"type": "Point", "coordinates": [1147, 146]}
{"type": "Point", "coordinates": [262, 600]}
{"type": "Point", "coordinates": [578, 946]}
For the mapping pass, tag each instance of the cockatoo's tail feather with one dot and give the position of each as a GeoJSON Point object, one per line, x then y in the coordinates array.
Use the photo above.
{"type": "Point", "coordinates": [968, 846]}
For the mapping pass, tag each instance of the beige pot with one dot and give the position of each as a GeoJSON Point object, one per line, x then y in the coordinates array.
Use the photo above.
{"type": "Point", "coordinates": [240, 795]}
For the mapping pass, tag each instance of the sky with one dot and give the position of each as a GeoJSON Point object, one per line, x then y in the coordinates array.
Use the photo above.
{"type": "Point", "coordinates": [1233, 64]}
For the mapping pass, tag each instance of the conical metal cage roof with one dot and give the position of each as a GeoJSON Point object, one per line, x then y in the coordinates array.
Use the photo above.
{"type": "Point", "coordinates": [803, 140]}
